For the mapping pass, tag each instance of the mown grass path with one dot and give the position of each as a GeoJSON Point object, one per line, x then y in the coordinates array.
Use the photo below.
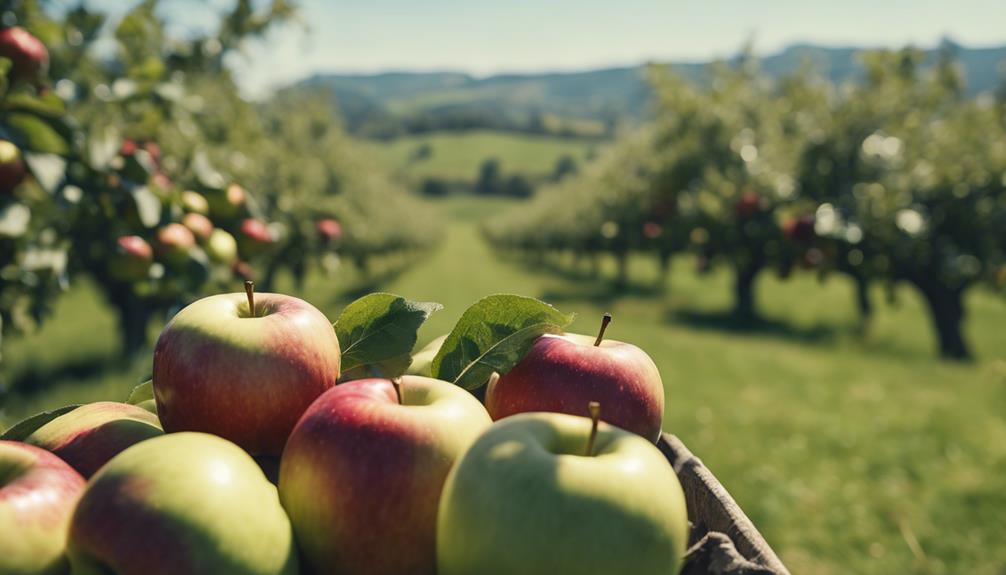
{"type": "Point", "coordinates": [853, 454]}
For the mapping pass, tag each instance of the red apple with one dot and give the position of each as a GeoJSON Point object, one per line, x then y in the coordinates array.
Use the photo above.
{"type": "Point", "coordinates": [254, 238]}
{"type": "Point", "coordinates": [364, 469]}
{"type": "Point", "coordinates": [128, 148]}
{"type": "Point", "coordinates": [199, 225]}
{"type": "Point", "coordinates": [131, 260]}
{"type": "Point", "coordinates": [244, 375]}
{"type": "Point", "coordinates": [28, 55]}
{"type": "Point", "coordinates": [748, 205]}
{"type": "Point", "coordinates": [563, 373]}
{"type": "Point", "coordinates": [329, 229]}
{"type": "Point", "coordinates": [90, 435]}
{"type": "Point", "coordinates": [174, 242]}
{"type": "Point", "coordinates": [38, 492]}
{"type": "Point", "coordinates": [11, 167]}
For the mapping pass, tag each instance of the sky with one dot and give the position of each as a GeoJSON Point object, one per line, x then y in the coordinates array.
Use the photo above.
{"type": "Point", "coordinates": [486, 36]}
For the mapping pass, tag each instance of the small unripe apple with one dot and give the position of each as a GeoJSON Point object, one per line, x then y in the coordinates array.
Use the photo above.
{"type": "Point", "coordinates": [195, 202]}
{"type": "Point", "coordinates": [174, 242]}
{"type": "Point", "coordinates": [329, 229]}
{"type": "Point", "coordinates": [222, 247]}
{"type": "Point", "coordinates": [131, 259]}
{"type": "Point", "coordinates": [227, 203]}
{"type": "Point", "coordinates": [11, 167]}
{"type": "Point", "coordinates": [28, 55]}
{"type": "Point", "coordinates": [255, 238]}
{"type": "Point", "coordinates": [199, 225]}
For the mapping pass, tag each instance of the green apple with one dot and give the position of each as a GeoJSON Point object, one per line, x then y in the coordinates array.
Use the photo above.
{"type": "Point", "coordinates": [244, 372]}
{"type": "Point", "coordinates": [527, 498]}
{"type": "Point", "coordinates": [363, 471]}
{"type": "Point", "coordinates": [222, 247]}
{"type": "Point", "coordinates": [38, 492]}
{"type": "Point", "coordinates": [422, 361]}
{"type": "Point", "coordinates": [12, 169]}
{"type": "Point", "coordinates": [195, 202]}
{"type": "Point", "coordinates": [189, 503]}
{"type": "Point", "coordinates": [92, 434]}
{"type": "Point", "coordinates": [227, 203]}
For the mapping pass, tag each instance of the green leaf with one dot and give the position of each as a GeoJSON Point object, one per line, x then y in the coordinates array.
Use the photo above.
{"type": "Point", "coordinates": [380, 329]}
{"type": "Point", "coordinates": [493, 335]}
{"type": "Point", "coordinates": [22, 429]}
{"type": "Point", "coordinates": [148, 205]}
{"type": "Point", "coordinates": [38, 134]}
{"type": "Point", "coordinates": [49, 170]}
{"type": "Point", "coordinates": [49, 105]}
{"type": "Point", "coordinates": [141, 393]}
{"type": "Point", "coordinates": [14, 220]}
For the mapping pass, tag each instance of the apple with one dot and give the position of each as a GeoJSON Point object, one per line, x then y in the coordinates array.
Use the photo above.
{"type": "Point", "coordinates": [222, 247]}
{"type": "Point", "coordinates": [131, 260]}
{"type": "Point", "coordinates": [200, 226]}
{"type": "Point", "coordinates": [186, 503]}
{"type": "Point", "coordinates": [363, 471]}
{"type": "Point", "coordinates": [244, 367]}
{"type": "Point", "coordinates": [28, 55]}
{"type": "Point", "coordinates": [195, 202]}
{"type": "Point", "coordinates": [87, 437]}
{"type": "Point", "coordinates": [227, 203]}
{"type": "Point", "coordinates": [128, 147]}
{"type": "Point", "coordinates": [38, 492]}
{"type": "Point", "coordinates": [800, 229]}
{"type": "Point", "coordinates": [12, 170]}
{"type": "Point", "coordinates": [547, 493]}
{"type": "Point", "coordinates": [254, 238]}
{"type": "Point", "coordinates": [748, 205]}
{"type": "Point", "coordinates": [422, 360]}
{"type": "Point", "coordinates": [174, 241]}
{"type": "Point", "coordinates": [562, 373]}
{"type": "Point", "coordinates": [329, 229]}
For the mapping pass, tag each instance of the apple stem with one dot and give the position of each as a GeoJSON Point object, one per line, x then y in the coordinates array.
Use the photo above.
{"type": "Point", "coordinates": [397, 384]}
{"type": "Point", "coordinates": [605, 320]}
{"type": "Point", "coordinates": [250, 291]}
{"type": "Point", "coordinates": [595, 413]}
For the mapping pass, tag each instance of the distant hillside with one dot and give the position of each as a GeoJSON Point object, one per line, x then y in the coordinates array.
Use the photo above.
{"type": "Point", "coordinates": [589, 103]}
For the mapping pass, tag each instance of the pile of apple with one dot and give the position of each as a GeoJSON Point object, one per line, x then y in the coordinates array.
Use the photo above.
{"type": "Point", "coordinates": [250, 455]}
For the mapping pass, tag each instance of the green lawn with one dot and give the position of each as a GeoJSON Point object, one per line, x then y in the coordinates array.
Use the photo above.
{"type": "Point", "coordinates": [457, 156]}
{"type": "Point", "coordinates": [852, 454]}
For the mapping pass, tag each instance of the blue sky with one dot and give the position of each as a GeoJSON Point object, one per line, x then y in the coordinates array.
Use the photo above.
{"type": "Point", "coordinates": [484, 36]}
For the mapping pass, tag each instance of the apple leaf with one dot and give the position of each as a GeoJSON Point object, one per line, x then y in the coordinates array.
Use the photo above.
{"type": "Point", "coordinates": [378, 332]}
{"type": "Point", "coordinates": [22, 429]}
{"type": "Point", "coordinates": [493, 335]}
{"type": "Point", "coordinates": [141, 393]}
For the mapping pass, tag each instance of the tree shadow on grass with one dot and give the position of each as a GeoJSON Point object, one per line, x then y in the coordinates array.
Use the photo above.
{"type": "Point", "coordinates": [726, 321]}
{"type": "Point", "coordinates": [600, 292]}
{"type": "Point", "coordinates": [37, 378]}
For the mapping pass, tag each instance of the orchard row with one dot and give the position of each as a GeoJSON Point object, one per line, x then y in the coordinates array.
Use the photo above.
{"type": "Point", "coordinates": [896, 179]}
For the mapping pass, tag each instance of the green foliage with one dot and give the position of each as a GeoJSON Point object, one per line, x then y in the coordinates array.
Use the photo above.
{"type": "Point", "coordinates": [380, 329]}
{"type": "Point", "coordinates": [492, 336]}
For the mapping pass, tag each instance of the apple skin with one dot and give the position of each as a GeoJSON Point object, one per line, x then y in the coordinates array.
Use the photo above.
{"type": "Point", "coordinates": [200, 226]}
{"type": "Point", "coordinates": [246, 379]}
{"type": "Point", "coordinates": [12, 170]}
{"type": "Point", "coordinates": [222, 247]}
{"type": "Point", "coordinates": [422, 360]}
{"type": "Point", "coordinates": [329, 229]}
{"type": "Point", "coordinates": [38, 492]}
{"type": "Point", "coordinates": [89, 436]}
{"type": "Point", "coordinates": [28, 55]}
{"type": "Point", "coordinates": [186, 503]}
{"type": "Point", "coordinates": [131, 260]}
{"type": "Point", "coordinates": [362, 474]}
{"type": "Point", "coordinates": [524, 499]}
{"type": "Point", "coordinates": [563, 373]}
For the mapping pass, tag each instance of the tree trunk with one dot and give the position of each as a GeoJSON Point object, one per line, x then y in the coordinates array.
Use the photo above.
{"type": "Point", "coordinates": [946, 309]}
{"type": "Point", "coordinates": [744, 294]}
{"type": "Point", "coordinates": [664, 259]}
{"type": "Point", "coordinates": [863, 302]}
{"type": "Point", "coordinates": [134, 317]}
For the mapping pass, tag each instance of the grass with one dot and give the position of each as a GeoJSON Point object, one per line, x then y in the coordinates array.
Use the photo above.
{"type": "Point", "coordinates": [852, 454]}
{"type": "Point", "coordinates": [458, 156]}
